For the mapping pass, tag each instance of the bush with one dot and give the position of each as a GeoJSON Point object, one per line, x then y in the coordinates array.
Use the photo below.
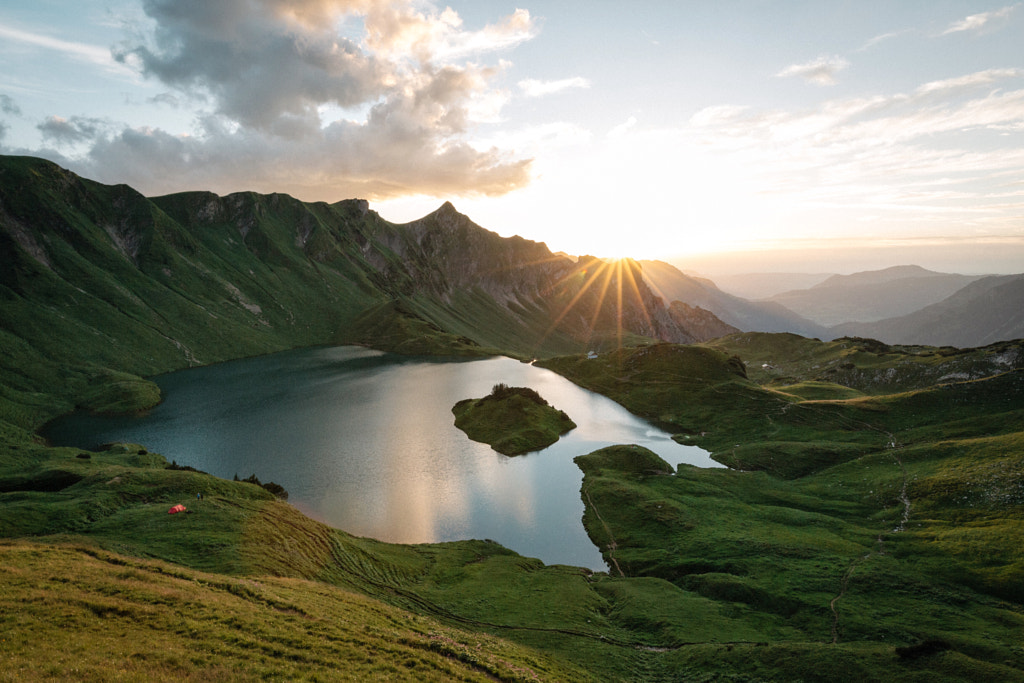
{"type": "Point", "coordinates": [502, 390]}
{"type": "Point", "coordinates": [932, 646]}
{"type": "Point", "coordinates": [271, 487]}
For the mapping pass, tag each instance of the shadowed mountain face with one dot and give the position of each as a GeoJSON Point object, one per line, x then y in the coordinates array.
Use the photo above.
{"type": "Point", "coordinates": [147, 285]}
{"type": "Point", "coordinates": [761, 316]}
{"type": "Point", "coordinates": [872, 295]}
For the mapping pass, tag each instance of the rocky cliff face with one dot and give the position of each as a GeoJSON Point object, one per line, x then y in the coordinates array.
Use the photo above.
{"type": "Point", "coordinates": [700, 323]}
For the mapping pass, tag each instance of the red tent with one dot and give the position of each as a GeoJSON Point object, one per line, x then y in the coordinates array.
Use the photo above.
{"type": "Point", "coordinates": [177, 508]}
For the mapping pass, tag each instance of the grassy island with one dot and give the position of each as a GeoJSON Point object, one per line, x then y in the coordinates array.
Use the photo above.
{"type": "Point", "coordinates": [512, 420]}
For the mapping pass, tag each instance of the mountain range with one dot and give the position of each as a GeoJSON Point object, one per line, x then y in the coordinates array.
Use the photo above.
{"type": "Point", "coordinates": [672, 284]}
{"type": "Point", "coordinates": [872, 295]}
{"type": "Point", "coordinates": [153, 284]}
{"type": "Point", "coordinates": [129, 277]}
{"type": "Point", "coordinates": [988, 310]}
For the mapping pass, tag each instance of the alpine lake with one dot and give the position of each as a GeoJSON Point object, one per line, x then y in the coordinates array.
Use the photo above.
{"type": "Point", "coordinates": [365, 441]}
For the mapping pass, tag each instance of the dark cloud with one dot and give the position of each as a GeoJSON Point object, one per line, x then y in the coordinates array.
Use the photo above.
{"type": "Point", "coordinates": [71, 131]}
{"type": "Point", "coordinates": [168, 99]}
{"type": "Point", "coordinates": [257, 64]}
{"type": "Point", "coordinates": [388, 155]}
{"type": "Point", "coordinates": [9, 106]}
{"type": "Point", "coordinates": [389, 71]}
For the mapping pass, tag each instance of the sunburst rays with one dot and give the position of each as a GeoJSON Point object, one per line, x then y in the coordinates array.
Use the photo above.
{"type": "Point", "coordinates": [611, 279]}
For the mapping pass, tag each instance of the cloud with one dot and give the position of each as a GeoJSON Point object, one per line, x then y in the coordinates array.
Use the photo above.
{"type": "Point", "coordinates": [534, 88]}
{"type": "Point", "coordinates": [881, 39]}
{"type": "Point", "coordinates": [962, 84]}
{"type": "Point", "coordinates": [821, 71]}
{"type": "Point", "coordinates": [94, 54]}
{"type": "Point", "coordinates": [61, 131]}
{"type": "Point", "coordinates": [623, 128]}
{"type": "Point", "coordinates": [9, 106]}
{"type": "Point", "coordinates": [404, 82]}
{"type": "Point", "coordinates": [977, 22]}
{"type": "Point", "coordinates": [379, 159]}
{"type": "Point", "coordinates": [927, 156]}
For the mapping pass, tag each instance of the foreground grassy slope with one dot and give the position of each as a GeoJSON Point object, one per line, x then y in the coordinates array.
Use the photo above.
{"type": "Point", "coordinates": [747, 597]}
{"type": "Point", "coordinates": [118, 618]}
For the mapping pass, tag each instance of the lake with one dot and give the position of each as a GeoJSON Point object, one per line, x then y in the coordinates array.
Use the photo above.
{"type": "Point", "coordinates": [365, 441]}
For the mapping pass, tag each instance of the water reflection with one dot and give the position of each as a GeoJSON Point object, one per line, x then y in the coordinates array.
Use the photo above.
{"type": "Point", "coordinates": [365, 442]}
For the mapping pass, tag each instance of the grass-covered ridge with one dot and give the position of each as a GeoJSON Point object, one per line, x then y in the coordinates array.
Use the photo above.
{"type": "Point", "coordinates": [512, 420]}
{"type": "Point", "coordinates": [857, 515]}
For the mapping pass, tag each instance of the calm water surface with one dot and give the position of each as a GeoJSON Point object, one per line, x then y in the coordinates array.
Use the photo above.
{"type": "Point", "coordinates": [365, 441]}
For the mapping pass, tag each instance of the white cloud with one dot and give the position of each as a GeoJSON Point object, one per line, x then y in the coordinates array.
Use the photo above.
{"type": "Point", "coordinates": [881, 39]}
{"type": "Point", "coordinates": [969, 82]}
{"type": "Point", "coordinates": [977, 22]}
{"type": "Point", "coordinates": [81, 50]}
{"type": "Point", "coordinates": [820, 71]}
{"type": "Point", "coordinates": [534, 88]}
{"type": "Point", "coordinates": [403, 83]}
{"type": "Point", "coordinates": [933, 155]}
{"type": "Point", "coordinates": [623, 128]}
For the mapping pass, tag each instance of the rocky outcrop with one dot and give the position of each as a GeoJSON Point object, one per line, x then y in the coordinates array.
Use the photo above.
{"type": "Point", "coordinates": [700, 323]}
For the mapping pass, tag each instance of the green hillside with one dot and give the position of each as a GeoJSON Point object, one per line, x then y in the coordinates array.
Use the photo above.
{"type": "Point", "coordinates": [877, 520]}
{"type": "Point", "coordinates": [870, 529]}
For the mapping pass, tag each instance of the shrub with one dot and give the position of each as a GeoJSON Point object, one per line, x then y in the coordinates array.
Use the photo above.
{"type": "Point", "coordinates": [502, 390]}
{"type": "Point", "coordinates": [271, 487]}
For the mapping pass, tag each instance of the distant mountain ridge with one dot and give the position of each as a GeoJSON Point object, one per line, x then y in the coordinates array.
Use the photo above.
{"type": "Point", "coordinates": [760, 286]}
{"type": "Point", "coordinates": [988, 310]}
{"type": "Point", "coordinates": [872, 295]}
{"type": "Point", "coordinates": [673, 285]}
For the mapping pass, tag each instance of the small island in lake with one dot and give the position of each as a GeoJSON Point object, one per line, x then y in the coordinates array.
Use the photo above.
{"type": "Point", "coordinates": [512, 420]}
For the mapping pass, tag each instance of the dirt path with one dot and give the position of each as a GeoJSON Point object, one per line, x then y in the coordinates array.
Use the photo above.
{"type": "Point", "coordinates": [612, 546]}
{"type": "Point", "coordinates": [903, 498]}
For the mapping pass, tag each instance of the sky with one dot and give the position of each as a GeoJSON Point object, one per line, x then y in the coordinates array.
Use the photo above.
{"type": "Point", "coordinates": [722, 136]}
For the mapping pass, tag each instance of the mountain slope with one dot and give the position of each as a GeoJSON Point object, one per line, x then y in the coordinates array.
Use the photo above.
{"type": "Point", "coordinates": [872, 295]}
{"type": "Point", "coordinates": [145, 286]}
{"type": "Point", "coordinates": [984, 312]}
{"type": "Point", "coordinates": [749, 316]}
{"type": "Point", "coordinates": [759, 286]}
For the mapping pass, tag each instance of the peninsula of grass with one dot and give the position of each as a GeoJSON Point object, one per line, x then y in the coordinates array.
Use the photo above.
{"type": "Point", "coordinates": [511, 420]}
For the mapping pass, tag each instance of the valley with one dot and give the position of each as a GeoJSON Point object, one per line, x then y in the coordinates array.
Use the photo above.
{"type": "Point", "coordinates": [868, 526]}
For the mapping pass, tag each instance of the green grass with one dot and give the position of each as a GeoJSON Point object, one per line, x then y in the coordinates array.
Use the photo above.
{"type": "Point", "coordinates": [512, 421]}
{"type": "Point", "coordinates": [775, 554]}
{"type": "Point", "coordinates": [871, 521]}
{"type": "Point", "coordinates": [118, 618]}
